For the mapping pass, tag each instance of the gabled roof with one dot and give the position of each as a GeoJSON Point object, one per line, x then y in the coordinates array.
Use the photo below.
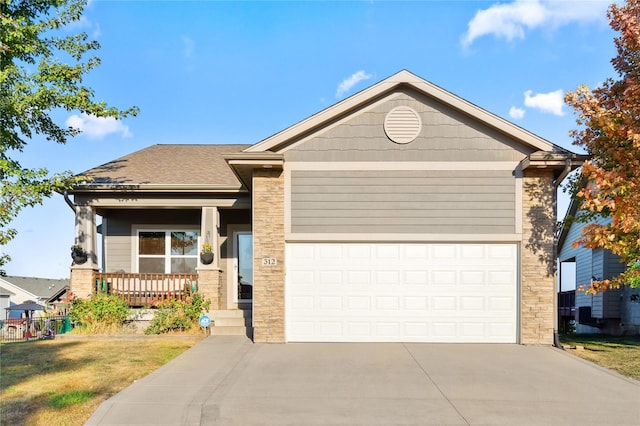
{"type": "Point", "coordinates": [169, 166]}
{"type": "Point", "coordinates": [43, 288]}
{"type": "Point", "coordinates": [404, 78]}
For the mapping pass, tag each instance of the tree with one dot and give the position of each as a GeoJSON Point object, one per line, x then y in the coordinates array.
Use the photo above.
{"type": "Point", "coordinates": [41, 72]}
{"type": "Point", "coordinates": [609, 183]}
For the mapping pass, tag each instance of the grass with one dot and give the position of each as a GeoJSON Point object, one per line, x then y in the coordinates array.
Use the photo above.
{"type": "Point", "coordinates": [63, 381]}
{"type": "Point", "coordinates": [621, 354]}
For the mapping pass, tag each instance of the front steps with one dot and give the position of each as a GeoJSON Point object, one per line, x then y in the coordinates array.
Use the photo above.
{"type": "Point", "coordinates": [231, 322]}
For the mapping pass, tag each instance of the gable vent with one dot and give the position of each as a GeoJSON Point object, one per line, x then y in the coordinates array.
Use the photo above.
{"type": "Point", "coordinates": [402, 124]}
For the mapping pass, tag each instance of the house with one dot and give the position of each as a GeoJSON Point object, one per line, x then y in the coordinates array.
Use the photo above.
{"type": "Point", "coordinates": [402, 213]}
{"type": "Point", "coordinates": [5, 297]}
{"type": "Point", "coordinates": [615, 311]}
{"type": "Point", "coordinates": [45, 291]}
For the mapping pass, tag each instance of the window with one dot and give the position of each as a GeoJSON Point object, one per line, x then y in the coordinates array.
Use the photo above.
{"type": "Point", "coordinates": [174, 252]}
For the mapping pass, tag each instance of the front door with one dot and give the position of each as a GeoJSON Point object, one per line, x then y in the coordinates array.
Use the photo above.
{"type": "Point", "coordinates": [243, 242]}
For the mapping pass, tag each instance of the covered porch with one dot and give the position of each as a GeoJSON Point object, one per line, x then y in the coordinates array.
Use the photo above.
{"type": "Point", "coordinates": [147, 256]}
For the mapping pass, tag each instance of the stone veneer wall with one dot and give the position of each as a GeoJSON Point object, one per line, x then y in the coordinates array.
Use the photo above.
{"type": "Point", "coordinates": [209, 285]}
{"type": "Point", "coordinates": [538, 258]}
{"type": "Point", "coordinates": [268, 242]}
{"type": "Point", "coordinates": [81, 280]}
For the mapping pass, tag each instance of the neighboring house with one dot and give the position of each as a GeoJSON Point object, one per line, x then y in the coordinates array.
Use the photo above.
{"type": "Point", "coordinates": [402, 213]}
{"type": "Point", "coordinates": [5, 298]}
{"type": "Point", "coordinates": [615, 311]}
{"type": "Point", "coordinates": [43, 291]}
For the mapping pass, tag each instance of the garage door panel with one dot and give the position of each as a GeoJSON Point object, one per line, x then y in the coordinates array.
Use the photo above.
{"type": "Point", "coordinates": [401, 292]}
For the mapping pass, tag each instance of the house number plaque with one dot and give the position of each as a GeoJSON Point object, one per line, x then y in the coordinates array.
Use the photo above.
{"type": "Point", "coordinates": [269, 261]}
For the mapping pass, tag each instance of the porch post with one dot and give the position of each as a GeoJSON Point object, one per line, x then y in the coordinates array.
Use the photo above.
{"type": "Point", "coordinates": [85, 236]}
{"type": "Point", "coordinates": [209, 275]}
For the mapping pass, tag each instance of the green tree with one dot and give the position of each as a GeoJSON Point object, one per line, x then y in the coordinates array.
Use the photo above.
{"type": "Point", "coordinates": [609, 183]}
{"type": "Point", "coordinates": [41, 71]}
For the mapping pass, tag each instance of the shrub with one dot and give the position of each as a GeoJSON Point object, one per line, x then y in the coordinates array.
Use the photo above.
{"type": "Point", "coordinates": [178, 314]}
{"type": "Point", "coordinates": [98, 314]}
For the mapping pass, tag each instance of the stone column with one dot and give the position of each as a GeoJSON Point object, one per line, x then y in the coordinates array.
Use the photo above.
{"type": "Point", "coordinates": [81, 279]}
{"type": "Point", "coordinates": [538, 279]}
{"type": "Point", "coordinates": [209, 285]}
{"type": "Point", "coordinates": [268, 255]}
{"type": "Point", "coordinates": [209, 275]}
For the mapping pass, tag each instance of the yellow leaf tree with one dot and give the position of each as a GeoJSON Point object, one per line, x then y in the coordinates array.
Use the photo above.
{"type": "Point", "coordinates": [609, 130]}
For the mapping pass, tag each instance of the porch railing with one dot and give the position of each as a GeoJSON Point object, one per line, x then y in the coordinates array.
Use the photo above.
{"type": "Point", "coordinates": [146, 289]}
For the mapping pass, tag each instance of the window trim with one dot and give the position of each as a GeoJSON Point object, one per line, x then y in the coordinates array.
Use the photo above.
{"type": "Point", "coordinates": [167, 229]}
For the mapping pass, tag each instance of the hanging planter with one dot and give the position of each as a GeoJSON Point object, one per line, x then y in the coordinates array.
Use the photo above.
{"type": "Point", "coordinates": [206, 254]}
{"type": "Point", "coordinates": [78, 255]}
{"type": "Point", "coordinates": [206, 258]}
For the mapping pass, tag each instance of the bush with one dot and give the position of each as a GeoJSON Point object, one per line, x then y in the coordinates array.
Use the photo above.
{"type": "Point", "coordinates": [98, 314]}
{"type": "Point", "coordinates": [178, 314]}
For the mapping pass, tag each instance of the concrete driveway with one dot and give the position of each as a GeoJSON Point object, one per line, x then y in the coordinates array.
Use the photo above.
{"type": "Point", "coordinates": [228, 380]}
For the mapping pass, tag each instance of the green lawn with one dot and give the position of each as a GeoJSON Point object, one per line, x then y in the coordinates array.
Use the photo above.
{"type": "Point", "coordinates": [63, 381]}
{"type": "Point", "coordinates": [618, 353]}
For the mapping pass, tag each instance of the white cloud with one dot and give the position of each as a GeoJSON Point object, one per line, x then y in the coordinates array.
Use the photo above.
{"type": "Point", "coordinates": [348, 83]}
{"type": "Point", "coordinates": [97, 127]}
{"type": "Point", "coordinates": [188, 46]}
{"type": "Point", "coordinates": [547, 102]}
{"type": "Point", "coordinates": [97, 31]}
{"type": "Point", "coordinates": [85, 24]}
{"type": "Point", "coordinates": [515, 112]}
{"type": "Point", "coordinates": [511, 20]}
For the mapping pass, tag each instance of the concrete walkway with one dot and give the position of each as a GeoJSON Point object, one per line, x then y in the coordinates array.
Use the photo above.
{"type": "Point", "coordinates": [228, 380]}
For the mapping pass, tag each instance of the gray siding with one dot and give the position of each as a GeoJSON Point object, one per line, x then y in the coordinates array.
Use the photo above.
{"type": "Point", "coordinates": [597, 267]}
{"type": "Point", "coordinates": [598, 263]}
{"type": "Point", "coordinates": [409, 201]}
{"type": "Point", "coordinates": [446, 135]}
{"type": "Point", "coordinates": [119, 238]}
{"type": "Point", "coordinates": [611, 303]}
{"type": "Point", "coordinates": [630, 315]}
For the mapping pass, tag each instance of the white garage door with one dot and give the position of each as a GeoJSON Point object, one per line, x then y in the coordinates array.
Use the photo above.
{"type": "Point", "coordinates": [348, 292]}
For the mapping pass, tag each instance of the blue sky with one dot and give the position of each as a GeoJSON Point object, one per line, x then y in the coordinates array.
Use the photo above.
{"type": "Point", "coordinates": [238, 72]}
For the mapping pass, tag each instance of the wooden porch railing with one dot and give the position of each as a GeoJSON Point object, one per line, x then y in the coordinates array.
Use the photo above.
{"type": "Point", "coordinates": [146, 289]}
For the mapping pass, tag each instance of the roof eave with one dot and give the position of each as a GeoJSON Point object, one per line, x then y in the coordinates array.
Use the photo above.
{"type": "Point", "coordinates": [546, 159]}
{"type": "Point", "coordinates": [561, 163]}
{"type": "Point", "coordinates": [242, 164]}
{"type": "Point", "coordinates": [156, 188]}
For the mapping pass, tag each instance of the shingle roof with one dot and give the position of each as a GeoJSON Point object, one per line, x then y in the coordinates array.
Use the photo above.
{"type": "Point", "coordinates": [170, 165]}
{"type": "Point", "coordinates": [41, 287]}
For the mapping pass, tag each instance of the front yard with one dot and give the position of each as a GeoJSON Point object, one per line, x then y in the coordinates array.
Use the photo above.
{"type": "Point", "coordinates": [621, 354]}
{"type": "Point", "coordinates": [63, 381]}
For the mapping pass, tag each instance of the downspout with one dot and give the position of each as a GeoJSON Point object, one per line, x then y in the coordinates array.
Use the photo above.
{"type": "Point", "coordinates": [73, 207]}
{"type": "Point", "coordinates": [567, 169]}
{"type": "Point", "coordinates": [556, 320]}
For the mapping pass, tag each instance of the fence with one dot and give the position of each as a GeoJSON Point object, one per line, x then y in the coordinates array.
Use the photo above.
{"type": "Point", "coordinates": [21, 329]}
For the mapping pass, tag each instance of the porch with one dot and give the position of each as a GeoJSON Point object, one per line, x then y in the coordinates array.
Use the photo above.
{"type": "Point", "coordinates": [148, 290]}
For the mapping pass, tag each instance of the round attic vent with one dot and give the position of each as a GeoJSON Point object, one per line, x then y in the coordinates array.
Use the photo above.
{"type": "Point", "coordinates": [402, 124]}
